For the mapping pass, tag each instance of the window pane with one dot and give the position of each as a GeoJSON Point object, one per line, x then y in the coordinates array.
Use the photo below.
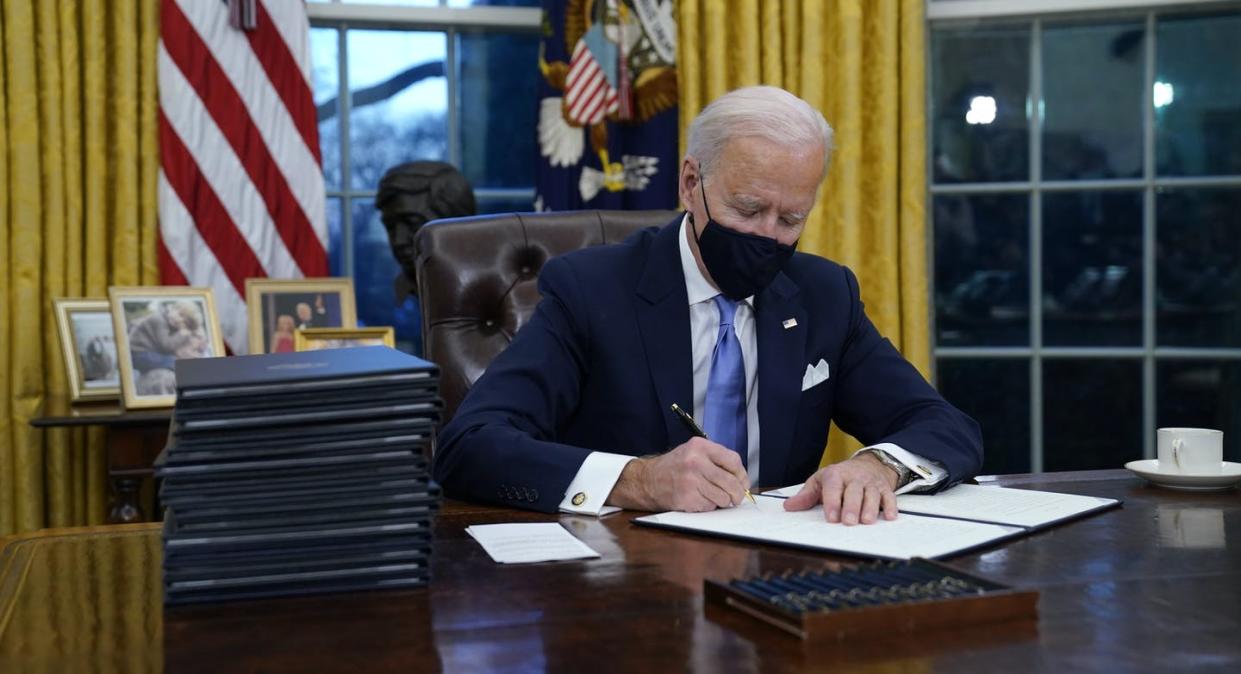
{"type": "Point", "coordinates": [499, 76]}
{"type": "Point", "coordinates": [1197, 100]}
{"type": "Point", "coordinates": [1092, 413]}
{"type": "Point", "coordinates": [1092, 91]}
{"type": "Point", "coordinates": [1201, 394]}
{"type": "Point", "coordinates": [399, 101]}
{"type": "Point", "coordinates": [325, 73]}
{"type": "Point", "coordinates": [513, 204]}
{"type": "Point", "coordinates": [980, 85]}
{"type": "Point", "coordinates": [335, 238]}
{"type": "Point", "coordinates": [982, 276]}
{"type": "Point", "coordinates": [997, 394]}
{"type": "Point", "coordinates": [1092, 268]}
{"type": "Point", "coordinates": [1198, 274]}
{"type": "Point", "coordinates": [374, 273]}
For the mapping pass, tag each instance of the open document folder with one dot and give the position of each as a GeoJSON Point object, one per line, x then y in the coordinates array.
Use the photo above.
{"type": "Point", "coordinates": [959, 519]}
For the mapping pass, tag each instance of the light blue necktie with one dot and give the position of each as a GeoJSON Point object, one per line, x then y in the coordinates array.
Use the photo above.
{"type": "Point", "coordinates": [725, 405]}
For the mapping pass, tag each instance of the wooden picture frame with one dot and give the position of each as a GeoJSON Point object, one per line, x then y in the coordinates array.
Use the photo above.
{"type": "Point", "coordinates": [313, 339]}
{"type": "Point", "coordinates": [88, 342]}
{"type": "Point", "coordinates": [155, 325]}
{"type": "Point", "coordinates": [275, 309]}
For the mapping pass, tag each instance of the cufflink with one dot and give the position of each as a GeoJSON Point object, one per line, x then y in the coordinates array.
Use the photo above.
{"type": "Point", "coordinates": [926, 472]}
{"type": "Point", "coordinates": [579, 498]}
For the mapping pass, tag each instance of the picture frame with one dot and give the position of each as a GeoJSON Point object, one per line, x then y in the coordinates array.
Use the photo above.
{"type": "Point", "coordinates": [275, 308]}
{"type": "Point", "coordinates": [313, 339]}
{"type": "Point", "coordinates": [88, 342]}
{"type": "Point", "coordinates": [154, 326]}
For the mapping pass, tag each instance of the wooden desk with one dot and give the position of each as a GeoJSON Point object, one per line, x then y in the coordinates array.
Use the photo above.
{"type": "Point", "coordinates": [135, 438]}
{"type": "Point", "coordinates": [1153, 586]}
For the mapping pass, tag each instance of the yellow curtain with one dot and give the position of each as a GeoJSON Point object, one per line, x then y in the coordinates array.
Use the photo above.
{"type": "Point", "coordinates": [861, 63]}
{"type": "Point", "coordinates": [78, 166]}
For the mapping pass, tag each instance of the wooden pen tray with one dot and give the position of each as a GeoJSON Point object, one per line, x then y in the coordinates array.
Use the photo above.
{"type": "Point", "coordinates": [879, 599]}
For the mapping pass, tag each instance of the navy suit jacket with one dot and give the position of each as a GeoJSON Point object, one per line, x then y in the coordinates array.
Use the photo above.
{"type": "Point", "coordinates": [607, 352]}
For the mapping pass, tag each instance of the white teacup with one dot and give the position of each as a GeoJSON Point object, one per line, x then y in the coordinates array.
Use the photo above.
{"type": "Point", "coordinates": [1191, 451]}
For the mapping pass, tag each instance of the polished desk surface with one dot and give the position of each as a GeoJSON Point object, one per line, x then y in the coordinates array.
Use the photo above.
{"type": "Point", "coordinates": [1152, 586]}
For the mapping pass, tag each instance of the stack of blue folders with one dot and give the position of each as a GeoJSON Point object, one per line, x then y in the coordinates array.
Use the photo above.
{"type": "Point", "coordinates": [298, 473]}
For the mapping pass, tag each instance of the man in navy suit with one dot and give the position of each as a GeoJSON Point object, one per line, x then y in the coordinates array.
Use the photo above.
{"type": "Point", "coordinates": [714, 312]}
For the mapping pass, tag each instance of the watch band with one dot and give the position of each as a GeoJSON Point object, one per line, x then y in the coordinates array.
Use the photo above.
{"type": "Point", "coordinates": [903, 474]}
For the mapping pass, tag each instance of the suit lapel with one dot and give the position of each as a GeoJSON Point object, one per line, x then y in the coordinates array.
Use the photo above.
{"type": "Point", "coordinates": [663, 320]}
{"type": "Point", "coordinates": [781, 363]}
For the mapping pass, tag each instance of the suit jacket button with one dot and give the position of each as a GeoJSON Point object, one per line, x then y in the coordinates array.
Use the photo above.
{"type": "Point", "coordinates": [579, 498]}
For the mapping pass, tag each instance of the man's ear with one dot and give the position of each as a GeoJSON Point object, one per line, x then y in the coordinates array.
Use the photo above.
{"type": "Point", "coordinates": [688, 182]}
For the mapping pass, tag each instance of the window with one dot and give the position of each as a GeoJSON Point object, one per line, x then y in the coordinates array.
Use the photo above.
{"type": "Point", "coordinates": [404, 80]}
{"type": "Point", "coordinates": [1086, 206]}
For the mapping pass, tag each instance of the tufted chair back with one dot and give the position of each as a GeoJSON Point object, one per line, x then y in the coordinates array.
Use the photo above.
{"type": "Point", "coordinates": [478, 280]}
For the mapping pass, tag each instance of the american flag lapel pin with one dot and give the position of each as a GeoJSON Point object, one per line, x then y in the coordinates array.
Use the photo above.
{"type": "Point", "coordinates": [789, 323]}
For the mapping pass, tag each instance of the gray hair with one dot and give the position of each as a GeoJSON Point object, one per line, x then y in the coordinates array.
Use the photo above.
{"type": "Point", "coordinates": [770, 113]}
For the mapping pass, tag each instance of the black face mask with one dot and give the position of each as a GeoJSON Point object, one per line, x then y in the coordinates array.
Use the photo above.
{"type": "Point", "coordinates": [740, 264]}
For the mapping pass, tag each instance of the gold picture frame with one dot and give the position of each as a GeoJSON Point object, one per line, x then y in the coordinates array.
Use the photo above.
{"type": "Point", "coordinates": [156, 325]}
{"type": "Point", "coordinates": [88, 342]}
{"type": "Point", "coordinates": [313, 339]}
{"type": "Point", "coordinates": [328, 303]}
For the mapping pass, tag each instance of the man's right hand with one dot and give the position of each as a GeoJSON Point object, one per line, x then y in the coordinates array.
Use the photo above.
{"type": "Point", "coordinates": [697, 476]}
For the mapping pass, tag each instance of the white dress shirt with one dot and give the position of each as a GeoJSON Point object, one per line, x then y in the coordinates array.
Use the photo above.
{"type": "Point", "coordinates": [598, 474]}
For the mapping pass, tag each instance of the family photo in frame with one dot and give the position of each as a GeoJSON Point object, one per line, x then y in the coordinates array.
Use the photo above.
{"type": "Point", "coordinates": [278, 308]}
{"type": "Point", "coordinates": [314, 339]}
{"type": "Point", "coordinates": [88, 343]}
{"type": "Point", "coordinates": [154, 327]}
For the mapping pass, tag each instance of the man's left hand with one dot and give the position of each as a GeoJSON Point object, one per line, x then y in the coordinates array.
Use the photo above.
{"type": "Point", "coordinates": [851, 491]}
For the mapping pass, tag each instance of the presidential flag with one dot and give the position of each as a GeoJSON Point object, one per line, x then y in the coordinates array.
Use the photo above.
{"type": "Point", "coordinates": [240, 183]}
{"type": "Point", "coordinates": [607, 130]}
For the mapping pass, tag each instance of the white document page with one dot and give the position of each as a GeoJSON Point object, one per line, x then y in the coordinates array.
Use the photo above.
{"type": "Point", "coordinates": [529, 542]}
{"type": "Point", "coordinates": [1021, 507]}
{"type": "Point", "coordinates": [785, 492]}
{"type": "Point", "coordinates": [905, 537]}
{"type": "Point", "coordinates": [1002, 505]}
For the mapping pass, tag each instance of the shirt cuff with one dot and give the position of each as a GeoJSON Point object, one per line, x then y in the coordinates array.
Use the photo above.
{"type": "Point", "coordinates": [593, 483]}
{"type": "Point", "coordinates": [927, 473]}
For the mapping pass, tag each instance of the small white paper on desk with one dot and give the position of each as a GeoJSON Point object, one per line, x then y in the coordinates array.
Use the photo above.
{"type": "Point", "coordinates": [529, 542]}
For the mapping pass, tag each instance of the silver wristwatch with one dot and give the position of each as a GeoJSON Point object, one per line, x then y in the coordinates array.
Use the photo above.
{"type": "Point", "coordinates": [903, 474]}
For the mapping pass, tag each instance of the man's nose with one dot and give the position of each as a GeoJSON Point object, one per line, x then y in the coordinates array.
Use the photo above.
{"type": "Point", "coordinates": [769, 226]}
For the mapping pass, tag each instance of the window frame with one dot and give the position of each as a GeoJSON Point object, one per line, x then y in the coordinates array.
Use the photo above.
{"type": "Point", "coordinates": [952, 14]}
{"type": "Point", "coordinates": [448, 20]}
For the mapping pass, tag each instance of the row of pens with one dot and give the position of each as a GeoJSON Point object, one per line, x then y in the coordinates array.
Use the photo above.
{"type": "Point", "coordinates": [865, 585]}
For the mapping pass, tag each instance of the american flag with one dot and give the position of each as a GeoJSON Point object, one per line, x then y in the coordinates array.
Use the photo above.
{"type": "Point", "coordinates": [588, 97]}
{"type": "Point", "coordinates": [240, 183]}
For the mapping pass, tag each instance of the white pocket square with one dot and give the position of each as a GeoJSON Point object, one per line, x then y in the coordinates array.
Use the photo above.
{"type": "Point", "coordinates": [815, 375]}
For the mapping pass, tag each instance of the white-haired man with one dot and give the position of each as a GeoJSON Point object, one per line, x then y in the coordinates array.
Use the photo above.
{"type": "Point", "coordinates": [717, 313]}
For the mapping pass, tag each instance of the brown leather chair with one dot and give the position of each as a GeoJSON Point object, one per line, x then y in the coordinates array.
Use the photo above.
{"type": "Point", "coordinates": [478, 280]}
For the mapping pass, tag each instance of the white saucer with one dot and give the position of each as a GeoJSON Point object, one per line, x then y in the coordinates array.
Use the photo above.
{"type": "Point", "coordinates": [1228, 477]}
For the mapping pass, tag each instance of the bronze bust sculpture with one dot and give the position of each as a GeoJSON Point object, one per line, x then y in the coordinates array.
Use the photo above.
{"type": "Point", "coordinates": [412, 194]}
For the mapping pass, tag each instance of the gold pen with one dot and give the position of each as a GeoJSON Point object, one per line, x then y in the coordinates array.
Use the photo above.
{"type": "Point", "coordinates": [695, 429]}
